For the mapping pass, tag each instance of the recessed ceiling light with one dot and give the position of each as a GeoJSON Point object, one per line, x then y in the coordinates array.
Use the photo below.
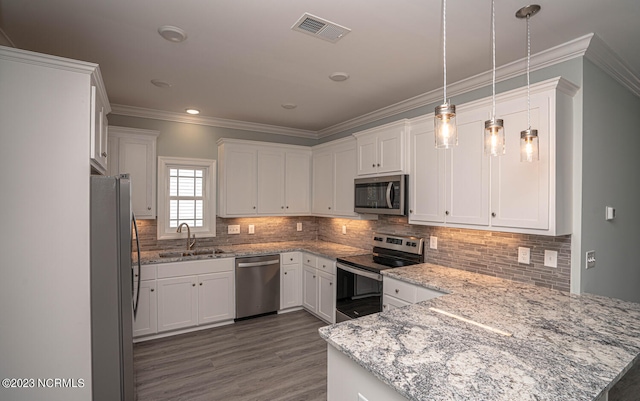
{"type": "Point", "coordinates": [172, 33]}
{"type": "Point", "coordinates": [160, 83]}
{"type": "Point", "coordinates": [193, 111]}
{"type": "Point", "coordinates": [289, 106]}
{"type": "Point", "coordinates": [339, 76]}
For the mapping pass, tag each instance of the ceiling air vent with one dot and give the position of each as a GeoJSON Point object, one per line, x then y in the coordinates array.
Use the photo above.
{"type": "Point", "coordinates": [320, 28]}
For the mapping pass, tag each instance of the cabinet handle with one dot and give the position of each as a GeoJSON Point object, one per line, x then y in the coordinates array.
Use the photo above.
{"type": "Point", "coordinates": [447, 212]}
{"type": "Point", "coordinates": [104, 154]}
{"type": "Point", "coordinates": [397, 290]}
{"type": "Point", "coordinates": [493, 214]}
{"type": "Point", "coordinates": [152, 290]}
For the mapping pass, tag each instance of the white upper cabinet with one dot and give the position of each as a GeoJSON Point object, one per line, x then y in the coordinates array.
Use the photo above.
{"type": "Point", "coordinates": [382, 150]}
{"type": "Point", "coordinates": [263, 179]}
{"type": "Point", "coordinates": [99, 125]}
{"type": "Point", "coordinates": [334, 169]}
{"type": "Point", "coordinates": [133, 152]}
{"type": "Point", "coordinates": [461, 187]}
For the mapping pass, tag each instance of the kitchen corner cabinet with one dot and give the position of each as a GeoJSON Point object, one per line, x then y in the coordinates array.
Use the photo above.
{"type": "Point", "coordinates": [318, 290]}
{"type": "Point", "coordinates": [263, 179]}
{"type": "Point", "coordinates": [290, 280]}
{"type": "Point", "coordinates": [99, 125]}
{"type": "Point", "coordinates": [382, 150]}
{"type": "Point", "coordinates": [334, 170]}
{"type": "Point", "coordinates": [133, 151]}
{"type": "Point", "coordinates": [461, 187]}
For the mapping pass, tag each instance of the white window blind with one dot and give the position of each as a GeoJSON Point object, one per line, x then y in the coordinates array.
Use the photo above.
{"type": "Point", "coordinates": [186, 197]}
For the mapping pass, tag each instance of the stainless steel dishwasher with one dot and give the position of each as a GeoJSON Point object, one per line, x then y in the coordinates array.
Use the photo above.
{"type": "Point", "coordinates": [257, 285]}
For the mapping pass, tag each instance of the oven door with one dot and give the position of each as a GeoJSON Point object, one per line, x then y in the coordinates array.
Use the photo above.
{"type": "Point", "coordinates": [358, 292]}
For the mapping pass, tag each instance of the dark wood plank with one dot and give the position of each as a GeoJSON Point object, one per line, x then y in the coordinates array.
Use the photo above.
{"type": "Point", "coordinates": [277, 357]}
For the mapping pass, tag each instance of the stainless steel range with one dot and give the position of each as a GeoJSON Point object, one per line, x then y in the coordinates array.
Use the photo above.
{"type": "Point", "coordinates": [359, 282]}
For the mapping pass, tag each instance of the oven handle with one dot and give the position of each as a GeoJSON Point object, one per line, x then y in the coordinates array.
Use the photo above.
{"type": "Point", "coordinates": [359, 272]}
{"type": "Point", "coordinates": [389, 188]}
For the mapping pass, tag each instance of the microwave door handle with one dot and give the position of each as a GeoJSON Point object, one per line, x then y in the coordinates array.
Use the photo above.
{"type": "Point", "coordinates": [389, 188]}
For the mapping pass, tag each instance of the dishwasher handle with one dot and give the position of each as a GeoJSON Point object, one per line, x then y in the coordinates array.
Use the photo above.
{"type": "Point", "coordinates": [254, 264]}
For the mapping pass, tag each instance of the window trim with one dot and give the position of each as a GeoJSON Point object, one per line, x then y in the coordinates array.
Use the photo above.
{"type": "Point", "coordinates": [209, 224]}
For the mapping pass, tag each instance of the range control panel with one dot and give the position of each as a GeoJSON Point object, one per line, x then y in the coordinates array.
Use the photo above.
{"type": "Point", "coordinates": [399, 243]}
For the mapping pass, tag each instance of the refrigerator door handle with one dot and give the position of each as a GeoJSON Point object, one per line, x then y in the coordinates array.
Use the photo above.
{"type": "Point", "coordinates": [137, 297]}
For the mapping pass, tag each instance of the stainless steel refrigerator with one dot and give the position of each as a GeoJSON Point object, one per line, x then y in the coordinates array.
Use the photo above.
{"type": "Point", "coordinates": [112, 284]}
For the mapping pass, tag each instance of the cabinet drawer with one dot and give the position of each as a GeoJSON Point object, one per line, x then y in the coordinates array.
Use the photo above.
{"type": "Point", "coordinates": [326, 265]}
{"type": "Point", "coordinates": [148, 272]}
{"type": "Point", "coordinates": [399, 289]}
{"type": "Point", "coordinates": [290, 258]}
{"type": "Point", "coordinates": [390, 303]}
{"type": "Point", "coordinates": [309, 260]}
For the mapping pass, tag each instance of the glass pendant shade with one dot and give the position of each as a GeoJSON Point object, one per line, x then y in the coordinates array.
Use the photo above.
{"type": "Point", "coordinates": [529, 150]}
{"type": "Point", "coordinates": [446, 132]}
{"type": "Point", "coordinates": [494, 138]}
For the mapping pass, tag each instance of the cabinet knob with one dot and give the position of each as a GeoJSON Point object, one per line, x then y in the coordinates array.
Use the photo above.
{"type": "Point", "coordinates": [287, 207]}
{"type": "Point", "coordinates": [447, 212]}
{"type": "Point", "coordinates": [194, 284]}
{"type": "Point", "coordinates": [384, 306]}
{"type": "Point", "coordinates": [200, 283]}
{"type": "Point", "coordinates": [285, 273]}
{"type": "Point", "coordinates": [493, 214]}
{"type": "Point", "coordinates": [378, 164]}
{"type": "Point", "coordinates": [397, 290]}
{"type": "Point", "coordinates": [410, 211]}
{"type": "Point", "coordinates": [148, 207]}
{"type": "Point", "coordinates": [324, 266]}
{"type": "Point", "coordinates": [254, 207]}
{"type": "Point", "coordinates": [152, 290]}
{"type": "Point", "coordinates": [314, 276]}
{"type": "Point", "coordinates": [329, 207]}
{"type": "Point", "coordinates": [373, 165]}
{"type": "Point", "coordinates": [104, 154]}
{"type": "Point", "coordinates": [136, 274]}
{"type": "Point", "coordinates": [281, 207]}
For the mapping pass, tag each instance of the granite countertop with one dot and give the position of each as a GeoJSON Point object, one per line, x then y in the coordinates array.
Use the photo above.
{"type": "Point", "coordinates": [325, 249]}
{"type": "Point", "coordinates": [562, 347]}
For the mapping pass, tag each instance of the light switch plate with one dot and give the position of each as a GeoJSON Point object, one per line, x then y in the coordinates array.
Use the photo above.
{"type": "Point", "coordinates": [551, 258]}
{"type": "Point", "coordinates": [524, 255]}
{"type": "Point", "coordinates": [433, 242]}
{"type": "Point", "coordinates": [252, 229]}
{"type": "Point", "coordinates": [233, 229]}
{"type": "Point", "coordinates": [344, 229]}
{"type": "Point", "coordinates": [299, 226]}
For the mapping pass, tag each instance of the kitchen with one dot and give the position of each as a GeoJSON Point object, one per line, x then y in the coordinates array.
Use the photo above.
{"type": "Point", "coordinates": [62, 260]}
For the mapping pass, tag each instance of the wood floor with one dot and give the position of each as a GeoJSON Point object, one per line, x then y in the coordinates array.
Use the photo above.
{"type": "Point", "coordinates": [276, 357]}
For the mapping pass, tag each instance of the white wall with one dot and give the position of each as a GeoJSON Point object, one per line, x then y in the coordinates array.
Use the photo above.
{"type": "Point", "coordinates": [610, 177]}
{"type": "Point", "coordinates": [45, 327]}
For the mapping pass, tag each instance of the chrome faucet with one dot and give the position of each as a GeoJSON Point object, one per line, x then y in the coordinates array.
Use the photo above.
{"type": "Point", "coordinates": [190, 243]}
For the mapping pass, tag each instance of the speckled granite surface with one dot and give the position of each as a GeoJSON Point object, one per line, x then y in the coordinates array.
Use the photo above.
{"type": "Point", "coordinates": [321, 248]}
{"type": "Point", "coordinates": [564, 347]}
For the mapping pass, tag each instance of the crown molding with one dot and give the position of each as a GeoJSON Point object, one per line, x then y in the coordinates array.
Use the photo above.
{"type": "Point", "coordinates": [600, 54]}
{"type": "Point", "coordinates": [209, 121]}
{"type": "Point", "coordinates": [47, 60]}
{"type": "Point", "coordinates": [117, 130]}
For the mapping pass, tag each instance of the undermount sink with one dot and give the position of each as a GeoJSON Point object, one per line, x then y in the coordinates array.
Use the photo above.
{"type": "Point", "coordinates": [179, 254]}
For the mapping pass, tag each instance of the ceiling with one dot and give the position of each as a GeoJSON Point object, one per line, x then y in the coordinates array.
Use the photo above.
{"type": "Point", "coordinates": [242, 61]}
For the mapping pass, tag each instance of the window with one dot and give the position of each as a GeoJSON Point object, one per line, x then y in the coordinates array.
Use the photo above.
{"type": "Point", "coordinates": [187, 195]}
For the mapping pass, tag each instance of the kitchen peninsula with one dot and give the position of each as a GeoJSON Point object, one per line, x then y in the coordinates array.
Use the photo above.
{"type": "Point", "coordinates": [554, 345]}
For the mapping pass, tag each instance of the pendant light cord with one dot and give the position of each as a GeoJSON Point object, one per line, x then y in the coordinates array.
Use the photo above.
{"type": "Point", "coordinates": [493, 52]}
{"type": "Point", "coordinates": [528, 68]}
{"type": "Point", "coordinates": [444, 47]}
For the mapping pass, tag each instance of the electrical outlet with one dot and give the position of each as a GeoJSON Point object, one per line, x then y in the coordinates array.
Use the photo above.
{"type": "Point", "coordinates": [252, 229]}
{"type": "Point", "coordinates": [433, 242]}
{"type": "Point", "coordinates": [233, 229]}
{"type": "Point", "coordinates": [551, 258]}
{"type": "Point", "coordinates": [591, 259]}
{"type": "Point", "coordinates": [524, 255]}
{"type": "Point", "coordinates": [344, 229]}
{"type": "Point", "coordinates": [299, 226]}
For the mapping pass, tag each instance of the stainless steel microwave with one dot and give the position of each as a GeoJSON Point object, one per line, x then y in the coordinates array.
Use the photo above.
{"type": "Point", "coordinates": [381, 195]}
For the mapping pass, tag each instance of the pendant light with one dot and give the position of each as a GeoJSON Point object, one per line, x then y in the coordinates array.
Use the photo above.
{"type": "Point", "coordinates": [446, 132]}
{"type": "Point", "coordinates": [529, 137]}
{"type": "Point", "coordinates": [494, 139]}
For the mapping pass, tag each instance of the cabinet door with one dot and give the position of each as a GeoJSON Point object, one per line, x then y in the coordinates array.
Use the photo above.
{"type": "Point", "coordinates": [467, 172]}
{"type": "Point", "coordinates": [391, 303]}
{"type": "Point", "coordinates": [427, 190]}
{"type": "Point", "coordinates": [390, 151]}
{"type": "Point", "coordinates": [323, 183]}
{"type": "Point", "coordinates": [310, 289]}
{"type": "Point", "coordinates": [297, 183]}
{"type": "Point", "coordinates": [177, 303]}
{"type": "Point", "coordinates": [291, 284]}
{"type": "Point", "coordinates": [326, 297]}
{"type": "Point", "coordinates": [344, 174]}
{"type": "Point", "coordinates": [270, 182]}
{"type": "Point", "coordinates": [368, 162]}
{"type": "Point", "coordinates": [241, 180]}
{"type": "Point", "coordinates": [146, 320]}
{"type": "Point", "coordinates": [520, 190]}
{"type": "Point", "coordinates": [136, 157]}
{"type": "Point", "coordinates": [216, 297]}
{"type": "Point", "coordinates": [98, 132]}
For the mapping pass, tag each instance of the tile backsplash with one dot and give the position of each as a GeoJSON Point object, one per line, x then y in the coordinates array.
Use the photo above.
{"type": "Point", "coordinates": [485, 252]}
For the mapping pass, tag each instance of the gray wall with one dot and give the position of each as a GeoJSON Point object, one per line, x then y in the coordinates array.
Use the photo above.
{"type": "Point", "coordinates": [611, 164]}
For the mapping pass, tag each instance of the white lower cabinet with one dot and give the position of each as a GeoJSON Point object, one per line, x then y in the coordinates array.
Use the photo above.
{"type": "Point", "coordinates": [318, 287]}
{"type": "Point", "coordinates": [215, 296]}
{"type": "Point", "coordinates": [290, 280]}
{"type": "Point", "coordinates": [399, 293]}
{"type": "Point", "coordinates": [177, 303]}
{"type": "Point", "coordinates": [146, 320]}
